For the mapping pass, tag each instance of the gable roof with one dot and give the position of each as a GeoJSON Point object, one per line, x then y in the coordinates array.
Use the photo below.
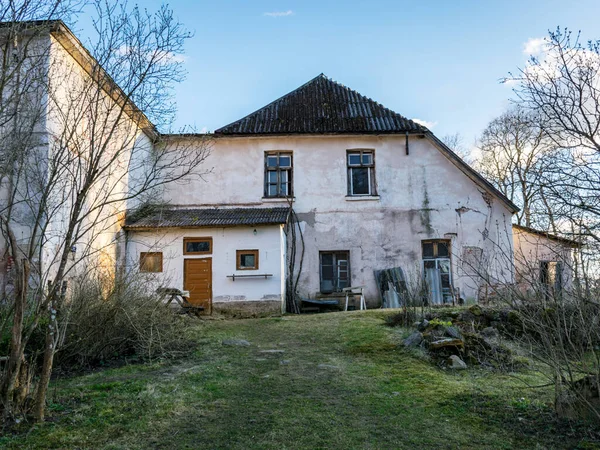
{"type": "Point", "coordinates": [322, 106]}
{"type": "Point", "coordinates": [72, 45]}
{"type": "Point", "coordinates": [568, 242]}
{"type": "Point", "coordinates": [207, 217]}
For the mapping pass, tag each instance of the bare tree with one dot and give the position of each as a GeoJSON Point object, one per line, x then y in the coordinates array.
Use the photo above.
{"type": "Point", "coordinates": [513, 147]}
{"type": "Point", "coordinates": [456, 143]}
{"type": "Point", "coordinates": [93, 155]}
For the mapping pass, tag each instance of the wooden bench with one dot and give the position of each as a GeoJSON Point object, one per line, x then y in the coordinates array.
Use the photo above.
{"type": "Point", "coordinates": [180, 297]}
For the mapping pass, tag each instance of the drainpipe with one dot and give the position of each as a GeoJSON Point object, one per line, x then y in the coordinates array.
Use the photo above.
{"type": "Point", "coordinates": [407, 152]}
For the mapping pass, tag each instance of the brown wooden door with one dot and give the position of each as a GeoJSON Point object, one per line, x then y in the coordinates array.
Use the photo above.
{"type": "Point", "coordinates": [197, 278]}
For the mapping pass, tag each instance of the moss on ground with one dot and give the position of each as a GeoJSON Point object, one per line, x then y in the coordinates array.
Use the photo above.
{"type": "Point", "coordinates": [341, 382]}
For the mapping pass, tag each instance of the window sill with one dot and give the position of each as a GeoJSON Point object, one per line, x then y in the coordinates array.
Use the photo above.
{"type": "Point", "coordinates": [362, 198]}
{"type": "Point", "coordinates": [277, 199]}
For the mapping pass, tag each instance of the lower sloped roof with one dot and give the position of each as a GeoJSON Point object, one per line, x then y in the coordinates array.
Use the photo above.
{"type": "Point", "coordinates": [207, 217]}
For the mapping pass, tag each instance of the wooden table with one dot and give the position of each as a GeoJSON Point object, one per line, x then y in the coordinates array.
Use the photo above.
{"type": "Point", "coordinates": [179, 297]}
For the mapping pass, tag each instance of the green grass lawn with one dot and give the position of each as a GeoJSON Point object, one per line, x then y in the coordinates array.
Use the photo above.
{"type": "Point", "coordinates": [371, 393]}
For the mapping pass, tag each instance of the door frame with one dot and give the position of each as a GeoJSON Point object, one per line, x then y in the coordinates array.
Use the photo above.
{"type": "Point", "coordinates": [210, 300]}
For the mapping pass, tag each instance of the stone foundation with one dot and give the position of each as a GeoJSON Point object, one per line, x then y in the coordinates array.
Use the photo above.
{"type": "Point", "coordinates": [243, 309]}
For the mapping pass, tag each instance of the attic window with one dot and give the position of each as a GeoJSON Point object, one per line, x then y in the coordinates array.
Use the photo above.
{"type": "Point", "coordinates": [361, 172]}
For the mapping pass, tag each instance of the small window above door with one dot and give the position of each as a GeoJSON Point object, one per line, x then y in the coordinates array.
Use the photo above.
{"type": "Point", "coordinates": [197, 246]}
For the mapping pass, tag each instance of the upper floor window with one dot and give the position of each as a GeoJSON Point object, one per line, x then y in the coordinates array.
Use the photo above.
{"type": "Point", "coordinates": [278, 174]}
{"type": "Point", "coordinates": [361, 172]}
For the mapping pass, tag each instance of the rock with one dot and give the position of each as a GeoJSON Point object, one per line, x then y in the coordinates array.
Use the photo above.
{"type": "Point", "coordinates": [489, 332]}
{"type": "Point", "coordinates": [236, 342]}
{"type": "Point", "coordinates": [271, 351]}
{"type": "Point", "coordinates": [579, 401]}
{"type": "Point", "coordinates": [284, 362]}
{"type": "Point", "coordinates": [446, 343]}
{"type": "Point", "coordinates": [423, 325]}
{"type": "Point", "coordinates": [414, 339]}
{"type": "Point", "coordinates": [327, 366]}
{"type": "Point", "coordinates": [453, 332]}
{"type": "Point", "coordinates": [454, 362]}
{"type": "Point", "coordinates": [475, 310]}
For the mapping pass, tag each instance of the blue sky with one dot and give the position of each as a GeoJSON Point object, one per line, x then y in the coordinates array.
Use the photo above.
{"type": "Point", "coordinates": [438, 61]}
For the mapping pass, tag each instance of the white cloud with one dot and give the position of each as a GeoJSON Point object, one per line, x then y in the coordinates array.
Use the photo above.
{"type": "Point", "coordinates": [535, 46]}
{"type": "Point", "coordinates": [289, 12]}
{"type": "Point", "coordinates": [425, 123]}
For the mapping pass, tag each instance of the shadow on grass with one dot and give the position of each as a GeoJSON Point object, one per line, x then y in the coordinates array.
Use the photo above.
{"type": "Point", "coordinates": [527, 421]}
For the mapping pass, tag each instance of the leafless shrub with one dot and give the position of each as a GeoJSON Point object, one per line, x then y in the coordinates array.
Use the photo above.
{"type": "Point", "coordinates": [108, 319]}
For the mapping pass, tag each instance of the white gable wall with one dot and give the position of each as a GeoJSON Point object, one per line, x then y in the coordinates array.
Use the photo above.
{"type": "Point", "coordinates": [420, 196]}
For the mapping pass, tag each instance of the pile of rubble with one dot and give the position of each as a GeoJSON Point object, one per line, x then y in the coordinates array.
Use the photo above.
{"type": "Point", "coordinates": [472, 337]}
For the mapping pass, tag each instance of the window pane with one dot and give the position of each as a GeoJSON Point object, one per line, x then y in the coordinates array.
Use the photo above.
{"type": "Point", "coordinates": [360, 181]}
{"type": "Point", "coordinates": [272, 190]}
{"type": "Point", "coordinates": [327, 259]}
{"type": "Point", "coordinates": [283, 176]}
{"type": "Point", "coordinates": [284, 189]}
{"type": "Point", "coordinates": [367, 159]}
{"type": "Point", "coordinates": [445, 281]}
{"type": "Point", "coordinates": [272, 161]}
{"type": "Point", "coordinates": [354, 159]}
{"type": "Point", "coordinates": [151, 262]}
{"type": "Point", "coordinates": [197, 246]}
{"type": "Point", "coordinates": [444, 265]}
{"type": "Point", "coordinates": [429, 264]}
{"type": "Point", "coordinates": [247, 260]}
{"type": "Point", "coordinates": [442, 249]}
{"type": "Point", "coordinates": [427, 249]}
{"type": "Point", "coordinates": [272, 176]}
{"type": "Point", "coordinates": [285, 161]}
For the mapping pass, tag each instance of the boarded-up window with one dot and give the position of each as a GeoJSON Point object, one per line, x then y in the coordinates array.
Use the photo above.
{"type": "Point", "coordinates": [197, 246]}
{"type": "Point", "coordinates": [151, 262]}
{"type": "Point", "coordinates": [471, 260]}
{"type": "Point", "coordinates": [247, 259]}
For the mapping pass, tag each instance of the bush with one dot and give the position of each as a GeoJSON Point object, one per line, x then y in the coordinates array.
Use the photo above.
{"type": "Point", "coordinates": [107, 321]}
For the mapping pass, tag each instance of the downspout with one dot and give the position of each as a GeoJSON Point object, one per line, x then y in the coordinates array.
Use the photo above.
{"type": "Point", "coordinates": [407, 152]}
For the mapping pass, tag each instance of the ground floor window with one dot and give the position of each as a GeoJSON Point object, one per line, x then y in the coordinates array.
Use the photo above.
{"type": "Point", "coordinates": [247, 259]}
{"type": "Point", "coordinates": [334, 270]}
{"type": "Point", "coordinates": [151, 262]}
{"type": "Point", "coordinates": [437, 270]}
{"type": "Point", "coordinates": [551, 276]}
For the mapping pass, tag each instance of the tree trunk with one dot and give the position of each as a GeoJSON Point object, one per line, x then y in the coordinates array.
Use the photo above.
{"type": "Point", "coordinates": [16, 348]}
{"type": "Point", "coordinates": [49, 349]}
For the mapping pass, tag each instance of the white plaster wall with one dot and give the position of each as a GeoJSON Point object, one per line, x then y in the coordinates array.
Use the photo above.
{"type": "Point", "coordinates": [269, 240]}
{"type": "Point", "coordinates": [531, 249]}
{"type": "Point", "coordinates": [421, 196]}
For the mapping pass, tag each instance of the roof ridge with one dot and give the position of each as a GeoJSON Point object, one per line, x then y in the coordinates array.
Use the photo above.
{"type": "Point", "coordinates": [321, 75]}
{"type": "Point", "coordinates": [322, 105]}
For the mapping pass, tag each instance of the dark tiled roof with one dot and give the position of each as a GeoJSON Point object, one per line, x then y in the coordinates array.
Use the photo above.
{"type": "Point", "coordinates": [322, 106]}
{"type": "Point", "coordinates": [208, 217]}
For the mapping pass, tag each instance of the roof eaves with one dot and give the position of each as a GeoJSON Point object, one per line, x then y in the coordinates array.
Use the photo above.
{"type": "Point", "coordinates": [84, 58]}
{"type": "Point", "coordinates": [572, 243]}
